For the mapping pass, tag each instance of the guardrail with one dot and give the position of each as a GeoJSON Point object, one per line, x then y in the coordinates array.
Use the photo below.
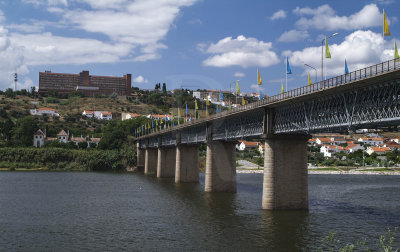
{"type": "Point", "coordinates": [360, 74]}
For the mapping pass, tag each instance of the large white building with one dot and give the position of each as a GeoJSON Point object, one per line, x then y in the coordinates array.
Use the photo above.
{"type": "Point", "coordinates": [44, 111]}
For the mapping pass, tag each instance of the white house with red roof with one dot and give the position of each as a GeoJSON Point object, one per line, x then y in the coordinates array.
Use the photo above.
{"type": "Point", "coordinates": [328, 150]}
{"type": "Point", "coordinates": [39, 138]}
{"type": "Point", "coordinates": [371, 140]}
{"type": "Point", "coordinates": [377, 150]}
{"type": "Point", "coordinates": [243, 145]}
{"type": "Point", "coordinates": [88, 113]}
{"type": "Point", "coordinates": [352, 148]}
{"type": "Point", "coordinates": [126, 116]}
{"type": "Point", "coordinates": [62, 137]}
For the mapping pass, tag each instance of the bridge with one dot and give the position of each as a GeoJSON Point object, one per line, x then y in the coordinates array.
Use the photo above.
{"type": "Point", "coordinates": [368, 97]}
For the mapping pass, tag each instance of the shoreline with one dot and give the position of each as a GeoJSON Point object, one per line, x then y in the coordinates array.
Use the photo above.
{"type": "Point", "coordinates": [386, 173]}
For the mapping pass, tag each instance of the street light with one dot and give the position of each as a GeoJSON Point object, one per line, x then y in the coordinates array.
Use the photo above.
{"type": "Point", "coordinates": [322, 55]}
{"type": "Point", "coordinates": [314, 69]}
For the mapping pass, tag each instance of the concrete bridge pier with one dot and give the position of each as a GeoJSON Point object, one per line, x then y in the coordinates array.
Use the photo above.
{"type": "Point", "coordinates": [285, 184]}
{"type": "Point", "coordinates": [187, 164]}
{"type": "Point", "coordinates": [220, 167]}
{"type": "Point", "coordinates": [166, 162]}
{"type": "Point", "coordinates": [140, 157]}
{"type": "Point", "coordinates": [150, 163]}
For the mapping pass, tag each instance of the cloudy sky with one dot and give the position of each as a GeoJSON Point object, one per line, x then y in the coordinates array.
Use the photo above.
{"type": "Point", "coordinates": [192, 43]}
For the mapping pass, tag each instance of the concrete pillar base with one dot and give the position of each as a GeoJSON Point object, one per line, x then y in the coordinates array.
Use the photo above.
{"type": "Point", "coordinates": [187, 164]}
{"type": "Point", "coordinates": [166, 162]}
{"type": "Point", "coordinates": [285, 184]}
{"type": "Point", "coordinates": [141, 157]}
{"type": "Point", "coordinates": [220, 167]}
{"type": "Point", "coordinates": [150, 164]}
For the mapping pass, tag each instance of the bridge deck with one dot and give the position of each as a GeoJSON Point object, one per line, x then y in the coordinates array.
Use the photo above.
{"type": "Point", "coordinates": [368, 76]}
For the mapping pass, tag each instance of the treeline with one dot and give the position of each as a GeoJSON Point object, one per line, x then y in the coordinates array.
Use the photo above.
{"type": "Point", "coordinates": [66, 159]}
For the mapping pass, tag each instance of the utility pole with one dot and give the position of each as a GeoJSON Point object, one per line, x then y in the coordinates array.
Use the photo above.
{"type": "Point", "coordinates": [15, 81]}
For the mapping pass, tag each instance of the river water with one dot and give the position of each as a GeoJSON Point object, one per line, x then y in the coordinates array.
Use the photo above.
{"type": "Point", "coordinates": [54, 211]}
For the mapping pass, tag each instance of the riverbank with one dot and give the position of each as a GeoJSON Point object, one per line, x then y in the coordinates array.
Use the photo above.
{"type": "Point", "coordinates": [327, 172]}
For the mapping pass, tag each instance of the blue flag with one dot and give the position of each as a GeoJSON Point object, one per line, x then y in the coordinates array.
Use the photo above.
{"type": "Point", "coordinates": [152, 124]}
{"type": "Point", "coordinates": [191, 118]}
{"type": "Point", "coordinates": [288, 69]}
{"type": "Point", "coordinates": [221, 97]}
{"type": "Point", "coordinates": [187, 111]}
{"type": "Point", "coordinates": [261, 96]}
{"type": "Point", "coordinates": [217, 109]}
{"type": "Point", "coordinates": [346, 70]}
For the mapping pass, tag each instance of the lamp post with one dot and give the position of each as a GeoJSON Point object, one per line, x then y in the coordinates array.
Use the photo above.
{"type": "Point", "coordinates": [322, 55]}
{"type": "Point", "coordinates": [314, 69]}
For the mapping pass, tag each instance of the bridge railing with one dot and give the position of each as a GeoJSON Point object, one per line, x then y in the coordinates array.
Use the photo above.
{"type": "Point", "coordinates": [343, 79]}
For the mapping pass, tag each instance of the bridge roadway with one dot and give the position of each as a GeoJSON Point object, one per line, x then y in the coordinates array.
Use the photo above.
{"type": "Point", "coordinates": [369, 97]}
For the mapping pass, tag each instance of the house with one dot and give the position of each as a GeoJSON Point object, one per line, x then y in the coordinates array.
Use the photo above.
{"type": "Point", "coordinates": [352, 148]}
{"type": "Point", "coordinates": [62, 136]}
{"type": "Point", "coordinates": [105, 115]}
{"type": "Point", "coordinates": [93, 141]}
{"type": "Point", "coordinates": [377, 150]}
{"type": "Point", "coordinates": [311, 141]}
{"type": "Point", "coordinates": [243, 145]}
{"type": "Point", "coordinates": [323, 140]}
{"type": "Point", "coordinates": [78, 140]}
{"type": "Point", "coordinates": [126, 116]}
{"type": "Point", "coordinates": [328, 150]}
{"type": "Point", "coordinates": [392, 145]}
{"type": "Point", "coordinates": [375, 141]}
{"type": "Point", "coordinates": [39, 138]}
{"type": "Point", "coordinates": [338, 140]}
{"type": "Point", "coordinates": [88, 113]}
{"type": "Point", "coordinates": [44, 111]}
{"type": "Point", "coordinates": [160, 117]}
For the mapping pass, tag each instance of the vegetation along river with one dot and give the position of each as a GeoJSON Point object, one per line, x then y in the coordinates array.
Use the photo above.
{"type": "Point", "coordinates": [56, 211]}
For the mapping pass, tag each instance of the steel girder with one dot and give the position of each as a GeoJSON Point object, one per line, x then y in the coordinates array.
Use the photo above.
{"type": "Point", "coordinates": [194, 135]}
{"type": "Point", "coordinates": [373, 106]}
{"type": "Point", "coordinates": [241, 126]}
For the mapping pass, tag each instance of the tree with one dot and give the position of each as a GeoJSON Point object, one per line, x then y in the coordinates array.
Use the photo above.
{"type": "Point", "coordinates": [9, 93]}
{"type": "Point", "coordinates": [7, 129]}
{"type": "Point", "coordinates": [24, 130]}
{"type": "Point", "coordinates": [33, 89]}
{"type": "Point", "coordinates": [82, 145]}
{"type": "Point", "coordinates": [164, 88]}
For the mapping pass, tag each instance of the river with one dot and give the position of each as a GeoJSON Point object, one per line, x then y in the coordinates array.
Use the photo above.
{"type": "Point", "coordinates": [56, 211]}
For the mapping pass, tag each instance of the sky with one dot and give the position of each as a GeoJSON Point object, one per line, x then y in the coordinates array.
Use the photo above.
{"type": "Point", "coordinates": [195, 44]}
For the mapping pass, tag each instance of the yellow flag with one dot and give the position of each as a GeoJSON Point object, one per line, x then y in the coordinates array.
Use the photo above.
{"type": "Point", "coordinates": [259, 78]}
{"type": "Point", "coordinates": [396, 53]}
{"type": "Point", "coordinates": [208, 101]}
{"type": "Point", "coordinates": [179, 112]}
{"type": "Point", "coordinates": [196, 106]}
{"type": "Point", "coordinates": [386, 31]}
{"type": "Point", "coordinates": [309, 80]}
{"type": "Point", "coordinates": [282, 89]}
{"type": "Point", "coordinates": [243, 101]}
{"type": "Point", "coordinates": [327, 52]}
{"type": "Point", "coordinates": [172, 115]}
{"type": "Point", "coordinates": [237, 87]}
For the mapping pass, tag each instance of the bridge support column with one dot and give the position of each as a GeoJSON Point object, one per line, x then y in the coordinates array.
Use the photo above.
{"type": "Point", "coordinates": [140, 163]}
{"type": "Point", "coordinates": [220, 167]}
{"type": "Point", "coordinates": [166, 162]}
{"type": "Point", "coordinates": [285, 184]}
{"type": "Point", "coordinates": [187, 164]}
{"type": "Point", "coordinates": [150, 164]}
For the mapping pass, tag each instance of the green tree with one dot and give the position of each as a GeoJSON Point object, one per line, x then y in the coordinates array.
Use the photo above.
{"type": "Point", "coordinates": [24, 130]}
{"type": "Point", "coordinates": [164, 88]}
{"type": "Point", "coordinates": [9, 93]}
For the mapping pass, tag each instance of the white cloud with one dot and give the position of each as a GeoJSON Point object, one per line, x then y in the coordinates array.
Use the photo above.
{"type": "Point", "coordinates": [360, 48]}
{"type": "Point", "coordinates": [280, 14]}
{"type": "Point", "coordinates": [325, 18]}
{"type": "Point", "coordinates": [11, 60]}
{"type": "Point", "coordinates": [239, 74]}
{"type": "Point", "coordinates": [241, 51]}
{"type": "Point", "coordinates": [140, 79]}
{"type": "Point", "coordinates": [46, 2]}
{"type": "Point", "coordinates": [45, 49]}
{"type": "Point", "coordinates": [196, 21]}
{"type": "Point", "coordinates": [293, 35]}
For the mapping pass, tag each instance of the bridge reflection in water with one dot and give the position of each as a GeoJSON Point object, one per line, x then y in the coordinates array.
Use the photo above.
{"type": "Point", "coordinates": [365, 98]}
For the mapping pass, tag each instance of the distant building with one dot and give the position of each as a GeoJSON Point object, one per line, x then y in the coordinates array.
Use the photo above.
{"type": "Point", "coordinates": [371, 141]}
{"type": "Point", "coordinates": [246, 145]}
{"type": "Point", "coordinates": [38, 138]}
{"type": "Point", "coordinates": [83, 82]}
{"type": "Point", "coordinates": [328, 150]}
{"type": "Point", "coordinates": [101, 115]}
{"type": "Point", "coordinates": [62, 136]}
{"type": "Point", "coordinates": [44, 111]}
{"type": "Point", "coordinates": [126, 116]}
{"type": "Point", "coordinates": [377, 150]}
{"type": "Point", "coordinates": [88, 113]}
{"type": "Point", "coordinates": [105, 115]}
